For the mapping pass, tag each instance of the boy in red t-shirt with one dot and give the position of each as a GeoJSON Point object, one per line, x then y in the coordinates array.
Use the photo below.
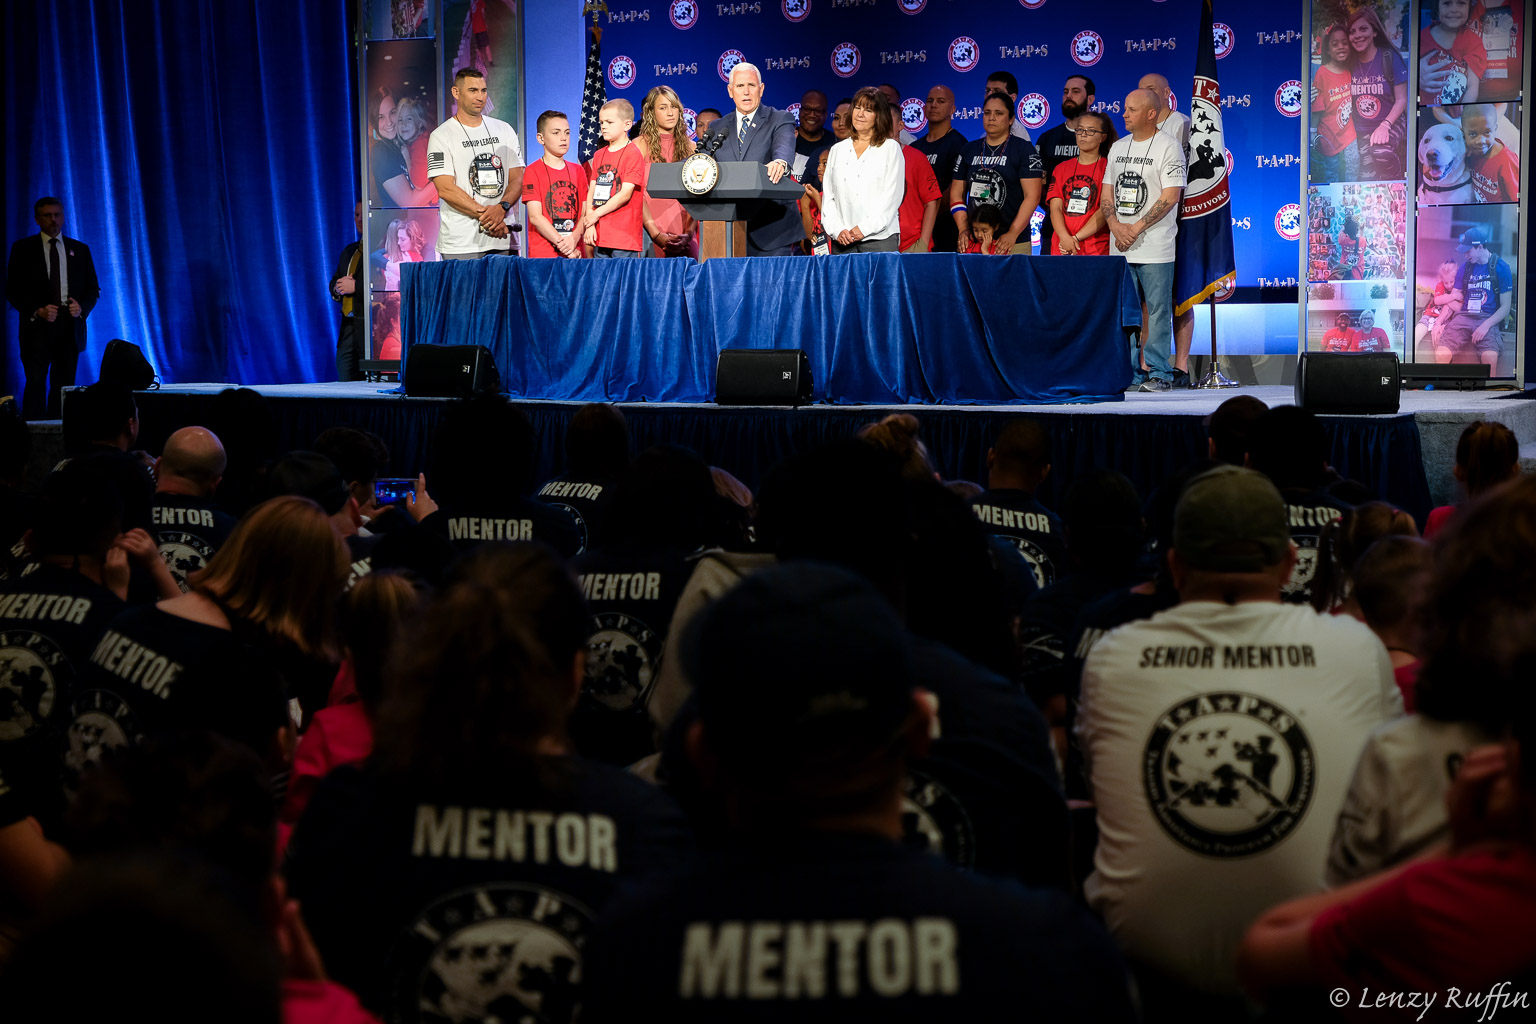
{"type": "Point", "coordinates": [1341, 338]}
{"type": "Point", "coordinates": [920, 205]}
{"type": "Point", "coordinates": [553, 192]}
{"type": "Point", "coordinates": [1495, 167]}
{"type": "Point", "coordinates": [1452, 57]}
{"type": "Point", "coordinates": [612, 223]}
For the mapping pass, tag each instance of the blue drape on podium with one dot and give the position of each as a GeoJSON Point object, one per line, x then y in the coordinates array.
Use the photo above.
{"type": "Point", "coordinates": [878, 328]}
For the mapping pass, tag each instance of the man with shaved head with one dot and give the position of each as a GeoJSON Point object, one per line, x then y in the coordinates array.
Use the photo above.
{"type": "Point", "coordinates": [1143, 187]}
{"type": "Point", "coordinates": [1176, 126]}
{"type": "Point", "coordinates": [188, 526]}
{"type": "Point", "coordinates": [941, 145]}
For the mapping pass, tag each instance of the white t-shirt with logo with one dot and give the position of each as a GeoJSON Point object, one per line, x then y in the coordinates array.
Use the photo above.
{"type": "Point", "coordinates": [479, 159]}
{"type": "Point", "coordinates": [1176, 127]}
{"type": "Point", "coordinates": [1136, 174]}
{"type": "Point", "coordinates": [1219, 742]}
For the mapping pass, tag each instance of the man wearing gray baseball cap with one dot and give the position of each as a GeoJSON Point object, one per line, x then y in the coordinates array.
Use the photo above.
{"type": "Point", "coordinates": [1219, 738]}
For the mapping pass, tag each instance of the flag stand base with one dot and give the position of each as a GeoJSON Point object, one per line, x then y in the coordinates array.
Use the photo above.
{"type": "Point", "coordinates": [1213, 377]}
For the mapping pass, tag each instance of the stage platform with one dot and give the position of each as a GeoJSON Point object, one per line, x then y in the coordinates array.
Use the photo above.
{"type": "Point", "coordinates": [1405, 458]}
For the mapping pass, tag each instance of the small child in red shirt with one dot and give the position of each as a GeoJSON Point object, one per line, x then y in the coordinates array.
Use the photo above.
{"type": "Point", "coordinates": [986, 225]}
{"type": "Point", "coordinates": [1495, 167]}
{"type": "Point", "coordinates": [613, 224]}
{"type": "Point", "coordinates": [1452, 57]}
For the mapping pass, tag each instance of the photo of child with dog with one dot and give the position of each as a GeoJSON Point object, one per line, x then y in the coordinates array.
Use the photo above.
{"type": "Point", "coordinates": [1355, 232]}
{"type": "Point", "coordinates": [1470, 50]}
{"type": "Point", "coordinates": [1469, 154]}
{"type": "Point", "coordinates": [1467, 262]}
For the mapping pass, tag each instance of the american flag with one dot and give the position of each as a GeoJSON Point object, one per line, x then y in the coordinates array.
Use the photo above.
{"type": "Point", "coordinates": [593, 95]}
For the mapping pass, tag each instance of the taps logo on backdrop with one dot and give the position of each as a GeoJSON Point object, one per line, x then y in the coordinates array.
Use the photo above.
{"type": "Point", "coordinates": [793, 110]}
{"type": "Point", "coordinates": [1087, 48]}
{"type": "Point", "coordinates": [1034, 110]}
{"type": "Point", "coordinates": [912, 117]}
{"type": "Point", "coordinates": [1288, 98]}
{"type": "Point", "coordinates": [728, 60]}
{"type": "Point", "coordinates": [911, 6]}
{"type": "Point", "coordinates": [1225, 40]}
{"type": "Point", "coordinates": [1033, 5]}
{"type": "Point", "coordinates": [621, 72]}
{"type": "Point", "coordinates": [691, 122]}
{"type": "Point", "coordinates": [846, 60]}
{"type": "Point", "coordinates": [1288, 221]}
{"type": "Point", "coordinates": [964, 54]}
{"type": "Point", "coordinates": [795, 10]}
{"type": "Point", "coordinates": [684, 13]}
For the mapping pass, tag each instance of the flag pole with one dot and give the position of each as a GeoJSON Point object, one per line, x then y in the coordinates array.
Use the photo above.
{"type": "Point", "coordinates": [1214, 378]}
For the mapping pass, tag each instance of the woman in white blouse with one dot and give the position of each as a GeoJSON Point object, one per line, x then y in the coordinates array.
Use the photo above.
{"type": "Point", "coordinates": [866, 174]}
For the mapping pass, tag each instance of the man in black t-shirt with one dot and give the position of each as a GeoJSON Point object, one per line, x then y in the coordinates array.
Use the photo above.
{"type": "Point", "coordinates": [810, 137]}
{"type": "Point", "coordinates": [814, 910]}
{"type": "Point", "coordinates": [1289, 445]}
{"type": "Point", "coordinates": [189, 525]}
{"type": "Point", "coordinates": [941, 144]}
{"type": "Point", "coordinates": [1060, 143]}
{"type": "Point", "coordinates": [596, 454]}
{"type": "Point", "coordinates": [1016, 467]}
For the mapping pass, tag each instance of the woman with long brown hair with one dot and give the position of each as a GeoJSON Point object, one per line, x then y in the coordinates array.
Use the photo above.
{"type": "Point", "coordinates": [664, 140]}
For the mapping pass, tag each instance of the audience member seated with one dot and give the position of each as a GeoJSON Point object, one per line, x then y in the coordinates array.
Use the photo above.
{"type": "Point", "coordinates": [661, 509]}
{"type": "Point", "coordinates": [1288, 445]}
{"type": "Point", "coordinates": [373, 613]}
{"type": "Point", "coordinates": [1487, 454]}
{"type": "Point", "coordinates": [1457, 919]}
{"type": "Point", "coordinates": [255, 629]}
{"type": "Point", "coordinates": [596, 454]}
{"type": "Point", "coordinates": [735, 509]}
{"type": "Point", "coordinates": [1477, 612]}
{"type": "Point", "coordinates": [1340, 546]}
{"type": "Point", "coordinates": [313, 476]}
{"type": "Point", "coordinates": [205, 803]}
{"type": "Point", "coordinates": [900, 434]}
{"type": "Point", "coordinates": [359, 456]}
{"type": "Point", "coordinates": [1105, 536]}
{"type": "Point", "coordinates": [474, 833]}
{"type": "Point", "coordinates": [16, 497]}
{"type": "Point", "coordinates": [1218, 736]}
{"type": "Point", "coordinates": [189, 525]}
{"type": "Point", "coordinates": [814, 910]}
{"type": "Point", "coordinates": [482, 485]}
{"type": "Point", "coordinates": [1227, 428]}
{"type": "Point", "coordinates": [1017, 465]}
{"type": "Point", "coordinates": [1390, 584]}
{"type": "Point", "coordinates": [243, 421]}
{"type": "Point", "coordinates": [103, 421]}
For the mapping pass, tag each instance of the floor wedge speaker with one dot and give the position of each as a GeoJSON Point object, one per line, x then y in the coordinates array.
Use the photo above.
{"type": "Point", "coordinates": [450, 371]}
{"type": "Point", "coordinates": [763, 376]}
{"type": "Point", "coordinates": [1349, 382]}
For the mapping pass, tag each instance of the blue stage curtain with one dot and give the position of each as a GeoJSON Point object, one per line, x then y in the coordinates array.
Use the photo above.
{"type": "Point", "coordinates": [204, 150]}
{"type": "Point", "coordinates": [879, 328]}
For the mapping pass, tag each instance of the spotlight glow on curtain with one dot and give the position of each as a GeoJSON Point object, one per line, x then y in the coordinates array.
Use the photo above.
{"type": "Point", "coordinates": [204, 151]}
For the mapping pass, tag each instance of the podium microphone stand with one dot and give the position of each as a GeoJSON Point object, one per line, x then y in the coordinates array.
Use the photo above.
{"type": "Point", "coordinates": [722, 195]}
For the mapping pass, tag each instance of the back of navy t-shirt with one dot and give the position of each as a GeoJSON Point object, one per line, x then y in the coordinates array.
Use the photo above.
{"type": "Point", "coordinates": [471, 524]}
{"type": "Point", "coordinates": [848, 927]}
{"type": "Point", "coordinates": [188, 531]}
{"type": "Point", "coordinates": [1032, 528]}
{"type": "Point", "coordinates": [1307, 512]}
{"type": "Point", "coordinates": [475, 904]}
{"type": "Point", "coordinates": [586, 501]}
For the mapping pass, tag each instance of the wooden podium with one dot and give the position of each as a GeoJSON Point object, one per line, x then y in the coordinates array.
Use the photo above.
{"type": "Point", "coordinates": [723, 211]}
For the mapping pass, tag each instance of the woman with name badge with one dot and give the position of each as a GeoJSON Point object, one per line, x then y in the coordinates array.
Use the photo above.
{"type": "Point", "coordinates": [1077, 222]}
{"type": "Point", "coordinates": [999, 169]}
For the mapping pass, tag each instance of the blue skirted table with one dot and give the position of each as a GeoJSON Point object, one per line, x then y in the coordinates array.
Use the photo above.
{"type": "Point", "coordinates": [878, 328]}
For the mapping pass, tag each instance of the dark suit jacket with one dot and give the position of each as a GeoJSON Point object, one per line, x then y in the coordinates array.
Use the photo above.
{"type": "Point", "coordinates": [771, 137]}
{"type": "Point", "coordinates": [342, 263]}
{"type": "Point", "coordinates": [26, 283]}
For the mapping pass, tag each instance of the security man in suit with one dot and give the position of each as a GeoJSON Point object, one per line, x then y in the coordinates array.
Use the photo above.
{"type": "Point", "coordinates": [762, 134]}
{"type": "Point", "coordinates": [51, 281]}
{"type": "Point", "coordinates": [344, 290]}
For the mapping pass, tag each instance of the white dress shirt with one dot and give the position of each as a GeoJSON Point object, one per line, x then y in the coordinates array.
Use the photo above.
{"type": "Point", "coordinates": [863, 191]}
{"type": "Point", "coordinates": [63, 263]}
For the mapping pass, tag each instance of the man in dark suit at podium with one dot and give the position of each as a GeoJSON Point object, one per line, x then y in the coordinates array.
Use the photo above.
{"type": "Point", "coordinates": [762, 134]}
{"type": "Point", "coordinates": [51, 282]}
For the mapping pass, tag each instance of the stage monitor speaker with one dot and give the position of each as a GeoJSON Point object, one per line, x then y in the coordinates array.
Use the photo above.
{"type": "Point", "coordinates": [1349, 382]}
{"type": "Point", "coordinates": [1452, 376]}
{"type": "Point", "coordinates": [450, 371]}
{"type": "Point", "coordinates": [763, 376]}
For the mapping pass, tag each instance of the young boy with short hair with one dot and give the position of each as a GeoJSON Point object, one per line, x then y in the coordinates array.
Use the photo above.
{"type": "Point", "coordinates": [1495, 169]}
{"type": "Point", "coordinates": [554, 192]}
{"type": "Point", "coordinates": [612, 222]}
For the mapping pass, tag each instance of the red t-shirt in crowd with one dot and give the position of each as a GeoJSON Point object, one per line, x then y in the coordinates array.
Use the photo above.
{"type": "Point", "coordinates": [322, 1002]}
{"type": "Point", "coordinates": [975, 247]}
{"type": "Point", "coordinates": [1374, 341]}
{"type": "Point", "coordinates": [922, 189]}
{"type": "Point", "coordinates": [1337, 340]}
{"type": "Point", "coordinates": [1466, 51]}
{"type": "Point", "coordinates": [1407, 680]}
{"type": "Point", "coordinates": [560, 191]}
{"type": "Point", "coordinates": [610, 172]}
{"type": "Point", "coordinates": [1462, 921]}
{"type": "Point", "coordinates": [1337, 105]}
{"type": "Point", "coordinates": [1496, 177]}
{"type": "Point", "coordinates": [337, 735]}
{"type": "Point", "coordinates": [1077, 185]}
{"type": "Point", "coordinates": [1439, 519]}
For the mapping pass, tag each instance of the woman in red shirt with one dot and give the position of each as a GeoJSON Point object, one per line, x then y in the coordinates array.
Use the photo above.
{"type": "Point", "coordinates": [1078, 223]}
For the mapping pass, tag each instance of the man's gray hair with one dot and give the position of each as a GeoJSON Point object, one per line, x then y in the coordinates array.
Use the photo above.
{"type": "Point", "coordinates": [750, 67]}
